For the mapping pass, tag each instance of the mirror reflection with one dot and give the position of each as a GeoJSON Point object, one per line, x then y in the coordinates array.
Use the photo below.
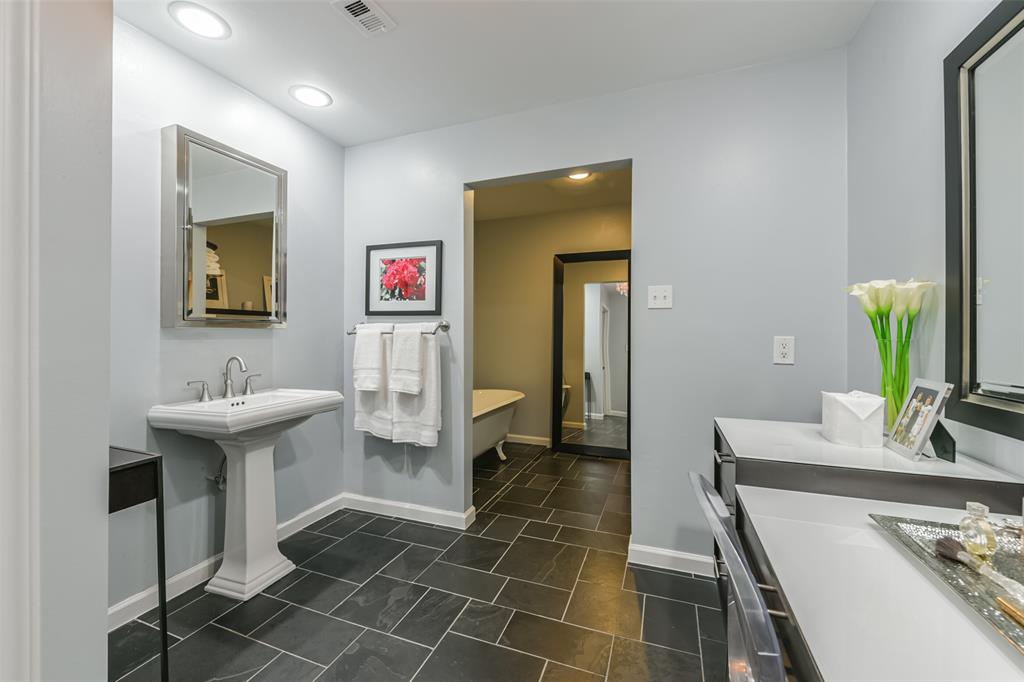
{"type": "Point", "coordinates": [595, 353]}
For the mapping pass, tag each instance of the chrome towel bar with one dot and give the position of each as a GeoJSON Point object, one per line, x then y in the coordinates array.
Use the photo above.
{"type": "Point", "coordinates": [439, 326]}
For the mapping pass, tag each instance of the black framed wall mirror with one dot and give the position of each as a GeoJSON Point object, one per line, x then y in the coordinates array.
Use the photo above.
{"type": "Point", "coordinates": [590, 378]}
{"type": "Point", "coordinates": [984, 138]}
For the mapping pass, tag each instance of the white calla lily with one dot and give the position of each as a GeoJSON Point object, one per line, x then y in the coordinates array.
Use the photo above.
{"type": "Point", "coordinates": [883, 291]}
{"type": "Point", "coordinates": [863, 294]}
{"type": "Point", "coordinates": [901, 300]}
{"type": "Point", "coordinates": [917, 296]}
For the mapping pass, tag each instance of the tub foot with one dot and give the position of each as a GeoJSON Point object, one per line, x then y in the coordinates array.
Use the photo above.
{"type": "Point", "coordinates": [501, 453]}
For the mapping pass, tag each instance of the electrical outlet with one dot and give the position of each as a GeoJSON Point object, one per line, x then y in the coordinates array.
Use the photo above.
{"type": "Point", "coordinates": [784, 350]}
{"type": "Point", "coordinates": [659, 296]}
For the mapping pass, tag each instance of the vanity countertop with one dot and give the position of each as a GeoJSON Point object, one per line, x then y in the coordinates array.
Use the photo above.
{"type": "Point", "coordinates": [866, 608]}
{"type": "Point", "coordinates": [803, 443]}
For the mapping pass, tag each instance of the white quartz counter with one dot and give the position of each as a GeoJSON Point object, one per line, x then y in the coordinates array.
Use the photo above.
{"type": "Point", "coordinates": [867, 608]}
{"type": "Point", "coordinates": [804, 444]}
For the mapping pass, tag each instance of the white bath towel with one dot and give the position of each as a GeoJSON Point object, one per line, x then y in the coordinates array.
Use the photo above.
{"type": "Point", "coordinates": [406, 375]}
{"type": "Point", "coordinates": [368, 359]}
{"type": "Point", "coordinates": [374, 410]}
{"type": "Point", "coordinates": [417, 418]}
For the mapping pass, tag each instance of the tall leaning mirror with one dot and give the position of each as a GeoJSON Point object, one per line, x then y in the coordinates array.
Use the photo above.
{"type": "Point", "coordinates": [223, 235]}
{"type": "Point", "coordinates": [984, 92]}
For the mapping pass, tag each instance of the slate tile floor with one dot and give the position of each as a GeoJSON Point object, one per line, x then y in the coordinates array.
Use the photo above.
{"type": "Point", "coordinates": [536, 590]}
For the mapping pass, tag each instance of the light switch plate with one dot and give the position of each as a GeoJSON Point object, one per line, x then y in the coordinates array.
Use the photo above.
{"type": "Point", "coordinates": [659, 296]}
{"type": "Point", "coordinates": [784, 350]}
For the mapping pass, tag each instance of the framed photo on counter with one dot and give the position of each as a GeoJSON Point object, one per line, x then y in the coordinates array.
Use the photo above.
{"type": "Point", "coordinates": [918, 416]}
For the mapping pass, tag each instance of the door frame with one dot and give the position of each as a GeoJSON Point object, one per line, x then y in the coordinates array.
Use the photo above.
{"type": "Point", "coordinates": [557, 364]}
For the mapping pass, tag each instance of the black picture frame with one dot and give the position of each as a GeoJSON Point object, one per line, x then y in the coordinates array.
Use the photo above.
{"type": "Point", "coordinates": [370, 283]}
{"type": "Point", "coordinates": [557, 364]}
{"type": "Point", "coordinates": [964, 405]}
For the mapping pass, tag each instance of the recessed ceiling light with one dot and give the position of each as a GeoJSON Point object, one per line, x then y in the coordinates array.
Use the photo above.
{"type": "Point", "coordinates": [582, 175]}
{"type": "Point", "coordinates": [310, 96]}
{"type": "Point", "coordinates": [199, 20]}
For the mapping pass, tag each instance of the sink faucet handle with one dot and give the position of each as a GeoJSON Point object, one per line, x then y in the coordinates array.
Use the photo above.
{"type": "Point", "coordinates": [204, 397]}
{"type": "Point", "coordinates": [248, 389]}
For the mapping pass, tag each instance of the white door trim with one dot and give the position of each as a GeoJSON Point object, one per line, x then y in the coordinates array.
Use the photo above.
{"type": "Point", "coordinates": [19, 369]}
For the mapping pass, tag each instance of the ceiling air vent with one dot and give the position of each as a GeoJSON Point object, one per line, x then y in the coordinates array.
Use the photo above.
{"type": "Point", "coordinates": [366, 15]}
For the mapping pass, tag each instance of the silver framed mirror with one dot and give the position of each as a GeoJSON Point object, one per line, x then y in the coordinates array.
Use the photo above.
{"type": "Point", "coordinates": [223, 235]}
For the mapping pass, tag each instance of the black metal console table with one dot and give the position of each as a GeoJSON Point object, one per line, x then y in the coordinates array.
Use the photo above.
{"type": "Point", "coordinates": [137, 477]}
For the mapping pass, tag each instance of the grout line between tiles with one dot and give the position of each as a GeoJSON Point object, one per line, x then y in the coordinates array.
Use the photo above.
{"type": "Point", "coordinates": [574, 584]}
{"type": "Point", "coordinates": [265, 667]}
{"type": "Point", "coordinates": [269, 646]}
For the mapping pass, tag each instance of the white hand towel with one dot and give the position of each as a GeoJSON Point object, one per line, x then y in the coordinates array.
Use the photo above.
{"type": "Point", "coordinates": [417, 418]}
{"type": "Point", "coordinates": [368, 372]}
{"type": "Point", "coordinates": [374, 409]}
{"type": "Point", "coordinates": [406, 374]}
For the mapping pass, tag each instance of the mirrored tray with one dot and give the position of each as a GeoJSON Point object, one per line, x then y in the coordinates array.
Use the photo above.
{"type": "Point", "coordinates": [979, 592]}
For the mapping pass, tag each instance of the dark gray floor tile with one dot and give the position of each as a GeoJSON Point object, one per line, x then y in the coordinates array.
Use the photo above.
{"type": "Point", "coordinates": [427, 622]}
{"type": "Point", "coordinates": [461, 659]}
{"type": "Point", "coordinates": [505, 528]}
{"type": "Point", "coordinates": [624, 480]}
{"type": "Point", "coordinates": [575, 519]}
{"type": "Point", "coordinates": [640, 662]}
{"type": "Point", "coordinates": [303, 546]}
{"type": "Point", "coordinates": [210, 654]}
{"type": "Point", "coordinates": [376, 657]}
{"type": "Point", "coordinates": [287, 668]}
{"type": "Point", "coordinates": [526, 511]}
{"type": "Point", "coordinates": [614, 522]}
{"type": "Point", "coordinates": [539, 529]}
{"type": "Point", "coordinates": [482, 620]}
{"type": "Point", "coordinates": [542, 561]}
{"type": "Point", "coordinates": [608, 542]}
{"type": "Point", "coordinates": [715, 660]}
{"type": "Point", "coordinates": [572, 483]}
{"type": "Point", "coordinates": [328, 520]}
{"type": "Point", "coordinates": [380, 603]}
{"type": "Point", "coordinates": [319, 592]}
{"type": "Point", "coordinates": [553, 466]}
{"type": "Point", "coordinates": [464, 581]}
{"type": "Point", "coordinates": [671, 586]}
{"type": "Point", "coordinates": [543, 481]}
{"type": "Point", "coordinates": [595, 468]}
{"type": "Point", "coordinates": [284, 583]}
{"type": "Point", "coordinates": [523, 478]}
{"type": "Point", "coordinates": [479, 525]}
{"type": "Point", "coordinates": [603, 485]}
{"type": "Point", "coordinates": [438, 538]}
{"type": "Point", "coordinates": [619, 503]}
{"type": "Point", "coordinates": [523, 495]}
{"type": "Point", "coordinates": [381, 526]}
{"type": "Point", "coordinates": [475, 552]}
{"type": "Point", "coordinates": [556, 672]}
{"type": "Point", "coordinates": [131, 645]}
{"type": "Point", "coordinates": [488, 484]}
{"type": "Point", "coordinates": [410, 563]}
{"type": "Point", "coordinates": [576, 500]}
{"type": "Point", "coordinates": [506, 474]}
{"type": "Point", "coordinates": [483, 496]}
{"type": "Point", "coordinates": [307, 634]}
{"type": "Point", "coordinates": [534, 598]}
{"type": "Point", "coordinates": [248, 616]}
{"type": "Point", "coordinates": [202, 611]}
{"type": "Point", "coordinates": [606, 608]}
{"type": "Point", "coordinates": [671, 623]}
{"type": "Point", "coordinates": [357, 557]}
{"type": "Point", "coordinates": [187, 597]}
{"type": "Point", "coordinates": [604, 568]}
{"type": "Point", "coordinates": [560, 642]}
{"type": "Point", "coordinates": [711, 623]}
{"type": "Point", "coordinates": [353, 522]}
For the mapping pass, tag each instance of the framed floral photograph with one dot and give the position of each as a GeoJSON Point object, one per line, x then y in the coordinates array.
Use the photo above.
{"type": "Point", "coordinates": [918, 417]}
{"type": "Point", "coordinates": [403, 279]}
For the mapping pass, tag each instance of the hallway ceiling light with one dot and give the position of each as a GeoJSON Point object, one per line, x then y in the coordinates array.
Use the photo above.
{"type": "Point", "coordinates": [199, 20]}
{"type": "Point", "coordinates": [582, 175]}
{"type": "Point", "coordinates": [310, 96]}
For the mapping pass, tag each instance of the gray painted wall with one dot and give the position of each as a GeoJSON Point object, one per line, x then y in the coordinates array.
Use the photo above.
{"type": "Point", "coordinates": [897, 216]}
{"type": "Point", "coordinates": [155, 86]}
{"type": "Point", "coordinates": [739, 201]}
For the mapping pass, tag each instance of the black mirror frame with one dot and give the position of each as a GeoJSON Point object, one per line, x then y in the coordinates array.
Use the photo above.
{"type": "Point", "coordinates": [989, 413]}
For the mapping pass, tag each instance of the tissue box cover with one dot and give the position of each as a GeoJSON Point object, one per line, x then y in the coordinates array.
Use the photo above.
{"type": "Point", "coordinates": [854, 418]}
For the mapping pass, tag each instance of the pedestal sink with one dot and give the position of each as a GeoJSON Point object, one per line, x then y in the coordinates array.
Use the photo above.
{"type": "Point", "coordinates": [247, 427]}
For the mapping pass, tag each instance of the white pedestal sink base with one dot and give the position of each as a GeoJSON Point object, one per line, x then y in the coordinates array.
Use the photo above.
{"type": "Point", "coordinates": [252, 560]}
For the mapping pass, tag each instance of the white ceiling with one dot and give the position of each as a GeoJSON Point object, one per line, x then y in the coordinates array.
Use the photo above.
{"type": "Point", "coordinates": [454, 61]}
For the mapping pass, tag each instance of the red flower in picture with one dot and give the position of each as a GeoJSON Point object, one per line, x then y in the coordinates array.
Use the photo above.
{"type": "Point", "coordinates": [403, 279]}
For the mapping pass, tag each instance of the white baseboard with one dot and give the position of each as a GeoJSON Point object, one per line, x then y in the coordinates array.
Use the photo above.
{"type": "Point", "coordinates": [598, 416]}
{"type": "Point", "coordinates": [617, 413]}
{"type": "Point", "coordinates": [528, 440]}
{"type": "Point", "coordinates": [412, 512]}
{"type": "Point", "coordinates": [658, 557]}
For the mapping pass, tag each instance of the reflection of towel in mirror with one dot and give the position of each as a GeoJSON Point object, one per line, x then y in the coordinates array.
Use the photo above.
{"type": "Point", "coordinates": [406, 374]}
{"type": "Point", "coordinates": [417, 418]}
{"type": "Point", "coordinates": [373, 411]}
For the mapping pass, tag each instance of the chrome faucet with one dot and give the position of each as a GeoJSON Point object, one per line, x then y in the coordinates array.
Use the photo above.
{"type": "Point", "coordinates": [229, 386]}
